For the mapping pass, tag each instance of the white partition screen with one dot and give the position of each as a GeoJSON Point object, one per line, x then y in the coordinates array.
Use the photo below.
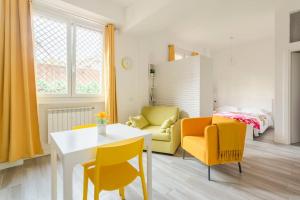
{"type": "Point", "coordinates": [178, 83]}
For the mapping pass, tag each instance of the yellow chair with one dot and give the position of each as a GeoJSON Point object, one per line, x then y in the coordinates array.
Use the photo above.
{"type": "Point", "coordinates": [111, 169]}
{"type": "Point", "coordinates": [200, 137]}
{"type": "Point", "coordinates": [83, 126]}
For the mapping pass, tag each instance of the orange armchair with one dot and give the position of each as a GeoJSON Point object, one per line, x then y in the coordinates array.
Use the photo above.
{"type": "Point", "coordinates": [199, 137]}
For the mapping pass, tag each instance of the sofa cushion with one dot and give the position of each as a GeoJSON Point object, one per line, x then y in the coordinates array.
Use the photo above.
{"type": "Point", "coordinates": [138, 121]}
{"type": "Point", "coordinates": [157, 134]}
{"type": "Point", "coordinates": [167, 123]}
{"type": "Point", "coordinates": [195, 145]}
{"type": "Point", "coordinates": [194, 142]}
{"type": "Point", "coordinates": [156, 115]}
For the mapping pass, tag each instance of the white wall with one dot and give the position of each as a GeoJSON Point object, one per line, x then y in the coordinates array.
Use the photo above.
{"type": "Point", "coordinates": [127, 80]}
{"type": "Point", "coordinates": [249, 79]}
{"type": "Point", "coordinates": [283, 69]}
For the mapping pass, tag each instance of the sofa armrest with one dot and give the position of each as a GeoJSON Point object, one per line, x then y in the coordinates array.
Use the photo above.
{"type": "Point", "coordinates": [175, 134]}
{"type": "Point", "coordinates": [175, 129]}
{"type": "Point", "coordinates": [211, 140]}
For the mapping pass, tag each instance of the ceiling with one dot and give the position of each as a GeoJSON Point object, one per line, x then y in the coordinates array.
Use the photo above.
{"type": "Point", "coordinates": [211, 23]}
{"type": "Point", "coordinates": [204, 23]}
{"type": "Point", "coordinates": [124, 3]}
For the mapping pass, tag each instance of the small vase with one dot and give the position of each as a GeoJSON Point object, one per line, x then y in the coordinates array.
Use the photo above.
{"type": "Point", "coordinates": [101, 129]}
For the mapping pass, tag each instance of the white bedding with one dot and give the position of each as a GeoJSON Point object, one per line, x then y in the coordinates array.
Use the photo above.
{"type": "Point", "coordinates": [264, 118]}
{"type": "Point", "coordinates": [265, 121]}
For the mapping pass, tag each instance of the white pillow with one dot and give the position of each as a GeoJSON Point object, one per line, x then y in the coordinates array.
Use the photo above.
{"type": "Point", "coordinates": [227, 109]}
{"type": "Point", "coordinates": [252, 110]}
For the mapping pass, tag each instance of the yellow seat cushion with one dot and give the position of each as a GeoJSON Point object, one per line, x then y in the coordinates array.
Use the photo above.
{"type": "Point", "coordinates": [157, 134]}
{"type": "Point", "coordinates": [195, 145]}
{"type": "Point", "coordinates": [112, 173]}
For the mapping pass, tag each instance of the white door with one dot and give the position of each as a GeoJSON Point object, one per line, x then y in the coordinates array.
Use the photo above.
{"type": "Point", "coordinates": [295, 97]}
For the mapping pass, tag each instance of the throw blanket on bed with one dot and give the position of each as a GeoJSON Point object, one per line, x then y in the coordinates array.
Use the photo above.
{"type": "Point", "coordinates": [230, 147]}
{"type": "Point", "coordinates": [242, 117]}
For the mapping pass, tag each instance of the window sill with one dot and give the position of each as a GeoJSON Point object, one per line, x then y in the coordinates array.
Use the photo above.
{"type": "Point", "coordinates": [69, 100]}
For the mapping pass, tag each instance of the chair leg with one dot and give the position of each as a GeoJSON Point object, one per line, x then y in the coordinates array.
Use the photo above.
{"type": "Point", "coordinates": [85, 186]}
{"type": "Point", "coordinates": [183, 153]}
{"type": "Point", "coordinates": [208, 168]}
{"type": "Point", "coordinates": [145, 194]}
{"type": "Point", "coordinates": [122, 193]}
{"type": "Point", "coordinates": [240, 167]}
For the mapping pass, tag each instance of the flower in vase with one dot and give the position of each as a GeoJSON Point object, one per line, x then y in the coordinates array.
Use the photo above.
{"type": "Point", "coordinates": [102, 118]}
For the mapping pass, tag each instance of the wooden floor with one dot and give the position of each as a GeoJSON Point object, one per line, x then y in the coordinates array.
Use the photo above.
{"type": "Point", "coordinates": [267, 136]}
{"type": "Point", "coordinates": [270, 171]}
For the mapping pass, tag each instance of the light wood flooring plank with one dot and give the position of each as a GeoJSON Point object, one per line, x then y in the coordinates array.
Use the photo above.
{"type": "Point", "coordinates": [270, 171]}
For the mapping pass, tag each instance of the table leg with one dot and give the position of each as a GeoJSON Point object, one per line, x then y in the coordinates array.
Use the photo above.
{"type": "Point", "coordinates": [149, 168]}
{"type": "Point", "coordinates": [53, 173]}
{"type": "Point", "coordinates": [67, 180]}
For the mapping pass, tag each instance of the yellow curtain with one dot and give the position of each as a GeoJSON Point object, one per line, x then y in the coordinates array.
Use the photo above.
{"type": "Point", "coordinates": [110, 74]}
{"type": "Point", "coordinates": [195, 53]}
{"type": "Point", "coordinates": [19, 130]}
{"type": "Point", "coordinates": [171, 52]}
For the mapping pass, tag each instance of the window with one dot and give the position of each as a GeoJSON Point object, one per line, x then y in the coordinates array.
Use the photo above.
{"type": "Point", "coordinates": [68, 57]}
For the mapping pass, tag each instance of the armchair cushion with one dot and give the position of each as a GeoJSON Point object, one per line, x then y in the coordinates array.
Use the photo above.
{"type": "Point", "coordinates": [157, 134]}
{"type": "Point", "coordinates": [196, 146]}
{"type": "Point", "coordinates": [139, 121]}
{"type": "Point", "coordinates": [167, 123]}
{"type": "Point", "coordinates": [156, 115]}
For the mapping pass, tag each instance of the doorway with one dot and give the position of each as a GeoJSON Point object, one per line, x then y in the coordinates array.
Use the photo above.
{"type": "Point", "coordinates": [295, 97]}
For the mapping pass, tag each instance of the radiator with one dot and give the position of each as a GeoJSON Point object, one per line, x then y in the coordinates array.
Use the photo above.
{"type": "Point", "coordinates": [60, 119]}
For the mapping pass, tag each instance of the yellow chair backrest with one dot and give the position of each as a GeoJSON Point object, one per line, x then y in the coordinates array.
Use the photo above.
{"type": "Point", "coordinates": [119, 152]}
{"type": "Point", "coordinates": [83, 126]}
{"type": "Point", "coordinates": [112, 159]}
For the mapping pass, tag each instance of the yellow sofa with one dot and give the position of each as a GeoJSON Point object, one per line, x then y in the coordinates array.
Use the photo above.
{"type": "Point", "coordinates": [200, 138]}
{"type": "Point", "coordinates": [163, 142]}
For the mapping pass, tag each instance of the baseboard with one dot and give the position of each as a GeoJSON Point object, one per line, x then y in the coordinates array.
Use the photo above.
{"type": "Point", "coordinates": [11, 164]}
{"type": "Point", "coordinates": [281, 140]}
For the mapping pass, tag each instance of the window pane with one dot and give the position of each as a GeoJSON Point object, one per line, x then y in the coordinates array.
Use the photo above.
{"type": "Point", "coordinates": [89, 61]}
{"type": "Point", "coordinates": [50, 38]}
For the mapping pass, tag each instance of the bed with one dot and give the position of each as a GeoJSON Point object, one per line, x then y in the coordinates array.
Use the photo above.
{"type": "Point", "coordinates": [257, 120]}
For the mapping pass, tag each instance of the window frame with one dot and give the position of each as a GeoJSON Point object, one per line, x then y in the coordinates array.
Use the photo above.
{"type": "Point", "coordinates": [71, 22]}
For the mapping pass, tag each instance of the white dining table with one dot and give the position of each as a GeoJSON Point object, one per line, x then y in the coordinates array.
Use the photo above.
{"type": "Point", "coordinates": [78, 146]}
